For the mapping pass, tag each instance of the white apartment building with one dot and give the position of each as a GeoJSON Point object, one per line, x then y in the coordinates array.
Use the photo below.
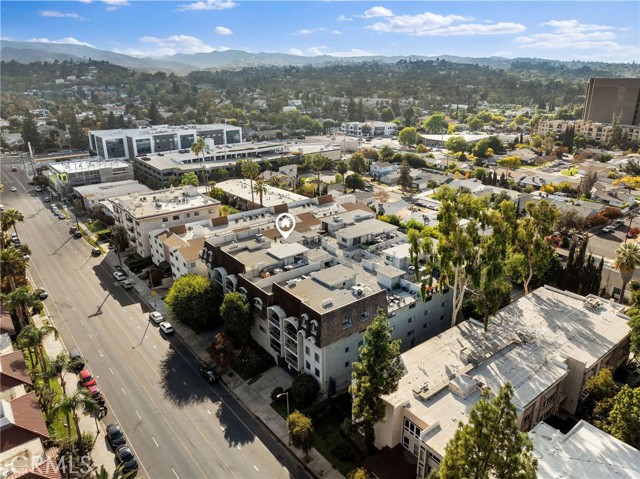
{"type": "Point", "coordinates": [93, 195]}
{"type": "Point", "coordinates": [141, 214]}
{"type": "Point", "coordinates": [66, 175]}
{"type": "Point", "coordinates": [546, 344]}
{"type": "Point", "coordinates": [373, 128]}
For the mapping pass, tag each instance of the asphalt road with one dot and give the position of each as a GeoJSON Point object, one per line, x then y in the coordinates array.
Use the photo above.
{"type": "Point", "coordinates": [178, 425]}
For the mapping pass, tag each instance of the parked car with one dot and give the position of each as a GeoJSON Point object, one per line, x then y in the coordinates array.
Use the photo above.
{"type": "Point", "coordinates": [156, 317]}
{"type": "Point", "coordinates": [47, 199]}
{"type": "Point", "coordinates": [14, 189]}
{"type": "Point", "coordinates": [608, 229]}
{"type": "Point", "coordinates": [119, 276]}
{"type": "Point", "coordinates": [166, 328]}
{"type": "Point", "coordinates": [77, 235]}
{"type": "Point", "coordinates": [42, 294]}
{"type": "Point", "coordinates": [39, 189]}
{"type": "Point", "coordinates": [61, 215]}
{"type": "Point", "coordinates": [86, 378]}
{"type": "Point", "coordinates": [77, 361]}
{"type": "Point", "coordinates": [115, 435]}
{"type": "Point", "coordinates": [126, 459]}
{"type": "Point", "coordinates": [96, 394]}
{"type": "Point", "coordinates": [126, 284]}
{"type": "Point", "coordinates": [96, 252]}
{"type": "Point", "coordinates": [209, 374]}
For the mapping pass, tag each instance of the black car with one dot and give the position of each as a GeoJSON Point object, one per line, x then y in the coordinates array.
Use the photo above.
{"type": "Point", "coordinates": [126, 459]}
{"type": "Point", "coordinates": [209, 374]}
{"type": "Point", "coordinates": [77, 361]}
{"type": "Point", "coordinates": [96, 252]}
{"type": "Point", "coordinates": [77, 235]}
{"type": "Point", "coordinates": [42, 294]}
{"type": "Point", "coordinates": [115, 435]}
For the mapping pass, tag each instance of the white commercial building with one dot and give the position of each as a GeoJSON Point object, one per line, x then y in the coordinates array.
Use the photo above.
{"type": "Point", "coordinates": [66, 175]}
{"type": "Point", "coordinates": [141, 214]}
{"type": "Point", "coordinates": [93, 195]}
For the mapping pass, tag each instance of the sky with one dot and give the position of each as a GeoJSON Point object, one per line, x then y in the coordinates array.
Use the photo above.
{"type": "Point", "coordinates": [563, 30]}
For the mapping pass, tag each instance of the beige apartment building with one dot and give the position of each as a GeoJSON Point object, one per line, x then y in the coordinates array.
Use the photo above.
{"type": "Point", "coordinates": [547, 345]}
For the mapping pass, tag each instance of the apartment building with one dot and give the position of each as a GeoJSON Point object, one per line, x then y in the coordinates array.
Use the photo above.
{"type": "Point", "coordinates": [547, 345]}
{"type": "Point", "coordinates": [141, 214]}
{"type": "Point", "coordinates": [93, 195]}
{"type": "Point", "coordinates": [129, 143]}
{"type": "Point", "coordinates": [607, 97]}
{"type": "Point", "coordinates": [65, 175]}
{"type": "Point", "coordinates": [372, 128]}
{"type": "Point", "coordinates": [313, 304]}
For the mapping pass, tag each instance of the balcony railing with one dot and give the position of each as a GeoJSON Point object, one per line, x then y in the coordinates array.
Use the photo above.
{"type": "Point", "coordinates": [275, 345]}
{"type": "Point", "coordinates": [290, 334]}
{"type": "Point", "coordinates": [274, 333]}
{"type": "Point", "coordinates": [292, 359]}
{"type": "Point", "coordinates": [275, 321]}
{"type": "Point", "coordinates": [291, 345]}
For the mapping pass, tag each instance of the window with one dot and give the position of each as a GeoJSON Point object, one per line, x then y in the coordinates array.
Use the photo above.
{"type": "Point", "coordinates": [317, 372]}
{"type": "Point", "coordinates": [364, 316]}
{"type": "Point", "coordinates": [549, 400]}
{"type": "Point", "coordinates": [444, 304]}
{"type": "Point", "coordinates": [346, 323]}
{"type": "Point", "coordinates": [428, 298]}
{"type": "Point", "coordinates": [441, 317]}
{"type": "Point", "coordinates": [346, 350]}
{"type": "Point", "coordinates": [415, 449]}
{"type": "Point", "coordinates": [176, 217]}
{"type": "Point", "coordinates": [411, 428]}
{"type": "Point", "coordinates": [262, 329]}
{"type": "Point", "coordinates": [435, 458]}
{"type": "Point", "coordinates": [405, 442]}
{"type": "Point", "coordinates": [307, 365]}
{"type": "Point", "coordinates": [164, 220]}
{"type": "Point", "coordinates": [196, 213]}
{"type": "Point", "coordinates": [410, 333]}
{"type": "Point", "coordinates": [410, 320]}
{"type": "Point", "coordinates": [317, 357]}
{"type": "Point", "coordinates": [426, 313]}
{"type": "Point", "coordinates": [307, 351]}
{"type": "Point", "coordinates": [527, 418]}
{"type": "Point", "coordinates": [426, 325]}
{"type": "Point", "coordinates": [188, 215]}
{"type": "Point", "coordinates": [412, 305]}
{"type": "Point", "coordinates": [346, 365]}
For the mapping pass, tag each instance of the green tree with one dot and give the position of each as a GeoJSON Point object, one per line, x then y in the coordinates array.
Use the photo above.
{"type": "Point", "coordinates": [408, 136]}
{"type": "Point", "coordinates": [19, 301]}
{"type": "Point", "coordinates": [357, 163]}
{"type": "Point", "coordinates": [359, 473]}
{"type": "Point", "coordinates": [300, 431]}
{"type": "Point", "coordinates": [387, 114]}
{"type": "Point", "coordinates": [456, 144]}
{"type": "Point", "coordinates": [489, 445]}
{"type": "Point", "coordinates": [192, 301]}
{"type": "Point", "coordinates": [250, 169]}
{"type": "Point", "coordinates": [342, 168]}
{"type": "Point", "coordinates": [623, 421]}
{"type": "Point", "coordinates": [189, 179]}
{"type": "Point", "coordinates": [119, 240]}
{"type": "Point", "coordinates": [30, 134]}
{"type": "Point", "coordinates": [405, 180]}
{"type": "Point", "coordinates": [261, 188]}
{"type": "Point", "coordinates": [12, 264]}
{"type": "Point", "coordinates": [600, 387]}
{"type": "Point", "coordinates": [475, 124]}
{"type": "Point", "coordinates": [9, 218]}
{"type": "Point", "coordinates": [354, 182]}
{"type": "Point", "coordinates": [510, 163]}
{"type": "Point", "coordinates": [317, 162]}
{"type": "Point", "coordinates": [627, 261]}
{"type": "Point", "coordinates": [237, 317]}
{"type": "Point", "coordinates": [435, 124]}
{"type": "Point", "coordinates": [531, 253]}
{"type": "Point", "coordinates": [385, 153]}
{"type": "Point", "coordinates": [75, 404]}
{"type": "Point", "coordinates": [31, 337]}
{"type": "Point", "coordinates": [59, 367]}
{"type": "Point", "coordinates": [198, 148]}
{"type": "Point", "coordinates": [377, 373]}
{"type": "Point", "coordinates": [304, 390]}
{"type": "Point", "coordinates": [154, 115]}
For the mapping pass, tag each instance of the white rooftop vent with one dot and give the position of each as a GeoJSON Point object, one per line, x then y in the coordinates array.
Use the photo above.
{"type": "Point", "coordinates": [327, 302]}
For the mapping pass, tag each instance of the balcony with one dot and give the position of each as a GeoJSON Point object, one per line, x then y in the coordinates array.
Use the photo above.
{"type": "Point", "coordinates": [291, 346]}
{"type": "Point", "coordinates": [274, 333]}
{"type": "Point", "coordinates": [274, 321]}
{"type": "Point", "coordinates": [292, 359]}
{"type": "Point", "coordinates": [289, 333]}
{"type": "Point", "coordinates": [275, 345]}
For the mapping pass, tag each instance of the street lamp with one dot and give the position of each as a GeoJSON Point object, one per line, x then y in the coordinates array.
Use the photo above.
{"type": "Point", "coordinates": [279, 396]}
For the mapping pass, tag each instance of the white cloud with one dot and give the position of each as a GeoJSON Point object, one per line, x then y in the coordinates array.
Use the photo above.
{"type": "Point", "coordinates": [337, 32]}
{"type": "Point", "coordinates": [67, 40]}
{"type": "Point", "coordinates": [309, 31]}
{"type": "Point", "coordinates": [223, 31]}
{"type": "Point", "coordinates": [323, 50]}
{"type": "Point", "coordinates": [342, 18]}
{"type": "Point", "coordinates": [207, 5]}
{"type": "Point", "coordinates": [600, 40]}
{"type": "Point", "coordinates": [57, 14]}
{"type": "Point", "coordinates": [177, 44]}
{"type": "Point", "coordinates": [433, 24]}
{"type": "Point", "coordinates": [115, 4]}
{"type": "Point", "coordinates": [376, 12]}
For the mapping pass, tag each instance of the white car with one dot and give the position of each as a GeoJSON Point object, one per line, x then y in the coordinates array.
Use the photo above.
{"type": "Point", "coordinates": [14, 189]}
{"type": "Point", "coordinates": [166, 327]}
{"type": "Point", "coordinates": [119, 276]}
{"type": "Point", "coordinates": [126, 284]}
{"type": "Point", "coordinates": [156, 317]}
{"type": "Point", "coordinates": [608, 229]}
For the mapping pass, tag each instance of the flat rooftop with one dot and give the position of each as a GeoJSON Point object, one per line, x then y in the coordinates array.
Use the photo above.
{"type": "Point", "coordinates": [369, 226]}
{"type": "Point", "coordinates": [87, 165]}
{"type": "Point", "coordinates": [584, 452]}
{"type": "Point", "coordinates": [241, 188]}
{"type": "Point", "coordinates": [163, 201]}
{"type": "Point", "coordinates": [526, 344]}
{"type": "Point", "coordinates": [160, 130]}
{"type": "Point", "coordinates": [114, 188]}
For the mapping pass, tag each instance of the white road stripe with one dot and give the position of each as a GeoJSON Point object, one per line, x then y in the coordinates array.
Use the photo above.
{"type": "Point", "coordinates": [208, 412]}
{"type": "Point", "coordinates": [139, 416]}
{"type": "Point", "coordinates": [176, 474]}
{"type": "Point", "coordinates": [256, 468]}
{"type": "Point", "coordinates": [238, 446]}
{"type": "Point", "coordinates": [184, 383]}
{"type": "Point", "coordinates": [155, 442]}
{"type": "Point", "coordinates": [125, 392]}
{"type": "Point", "coordinates": [154, 347]}
{"type": "Point", "coordinates": [111, 370]}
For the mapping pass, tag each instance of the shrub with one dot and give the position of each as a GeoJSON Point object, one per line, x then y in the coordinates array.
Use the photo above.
{"type": "Point", "coordinates": [304, 389]}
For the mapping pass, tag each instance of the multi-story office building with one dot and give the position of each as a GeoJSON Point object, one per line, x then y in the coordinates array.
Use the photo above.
{"type": "Point", "coordinates": [141, 214]}
{"type": "Point", "coordinates": [313, 304]}
{"type": "Point", "coordinates": [66, 175]}
{"type": "Point", "coordinates": [129, 143]}
{"type": "Point", "coordinates": [607, 97]}
{"type": "Point", "coordinates": [547, 345]}
{"type": "Point", "coordinates": [372, 128]}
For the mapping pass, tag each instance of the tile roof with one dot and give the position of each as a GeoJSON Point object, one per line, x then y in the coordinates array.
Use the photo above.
{"type": "Point", "coordinates": [27, 422]}
{"type": "Point", "coordinates": [13, 370]}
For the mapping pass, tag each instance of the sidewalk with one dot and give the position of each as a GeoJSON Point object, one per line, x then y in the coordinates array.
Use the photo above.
{"type": "Point", "coordinates": [247, 394]}
{"type": "Point", "coordinates": [101, 454]}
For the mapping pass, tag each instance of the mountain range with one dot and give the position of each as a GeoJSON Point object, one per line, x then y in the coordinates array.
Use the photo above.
{"type": "Point", "coordinates": [183, 63]}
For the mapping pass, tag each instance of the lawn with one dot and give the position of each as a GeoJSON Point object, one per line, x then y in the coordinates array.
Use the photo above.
{"type": "Point", "coordinates": [95, 226]}
{"type": "Point", "coordinates": [570, 172]}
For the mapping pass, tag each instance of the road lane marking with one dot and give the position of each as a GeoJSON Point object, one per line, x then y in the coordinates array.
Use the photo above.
{"type": "Point", "coordinates": [195, 396]}
{"type": "Point", "coordinates": [173, 369]}
{"type": "Point", "coordinates": [256, 468]}
{"type": "Point", "coordinates": [239, 448]}
{"type": "Point", "coordinates": [100, 354]}
{"type": "Point", "coordinates": [184, 383]}
{"type": "Point", "coordinates": [155, 442]}
{"type": "Point", "coordinates": [139, 416]}
{"type": "Point", "coordinates": [154, 347]}
{"type": "Point", "coordinates": [82, 322]}
{"type": "Point", "coordinates": [125, 392]}
{"type": "Point", "coordinates": [111, 370]}
{"type": "Point", "coordinates": [208, 412]}
{"type": "Point", "coordinates": [90, 337]}
{"type": "Point", "coordinates": [222, 427]}
{"type": "Point", "coordinates": [176, 474]}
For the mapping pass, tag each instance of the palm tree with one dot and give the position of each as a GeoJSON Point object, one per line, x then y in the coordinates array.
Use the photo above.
{"type": "Point", "coordinates": [9, 218]}
{"type": "Point", "coordinates": [261, 188]}
{"type": "Point", "coordinates": [12, 262]}
{"type": "Point", "coordinates": [317, 162]}
{"type": "Point", "coordinates": [75, 404]}
{"type": "Point", "coordinates": [627, 261]}
{"type": "Point", "coordinates": [342, 168]}
{"type": "Point", "coordinates": [31, 338]}
{"type": "Point", "coordinates": [117, 473]}
{"type": "Point", "coordinates": [19, 301]}
{"type": "Point", "coordinates": [59, 367]}
{"type": "Point", "coordinates": [250, 169]}
{"type": "Point", "coordinates": [197, 147]}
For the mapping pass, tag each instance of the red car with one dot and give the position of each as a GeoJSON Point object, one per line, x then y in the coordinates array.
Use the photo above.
{"type": "Point", "coordinates": [95, 393]}
{"type": "Point", "coordinates": [86, 379]}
